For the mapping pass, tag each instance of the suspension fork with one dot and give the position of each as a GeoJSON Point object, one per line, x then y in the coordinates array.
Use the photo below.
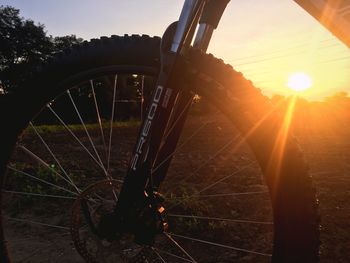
{"type": "Point", "coordinates": [211, 14]}
{"type": "Point", "coordinates": [150, 149]}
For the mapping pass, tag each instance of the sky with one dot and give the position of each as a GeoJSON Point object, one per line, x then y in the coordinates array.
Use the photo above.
{"type": "Point", "coordinates": [266, 40]}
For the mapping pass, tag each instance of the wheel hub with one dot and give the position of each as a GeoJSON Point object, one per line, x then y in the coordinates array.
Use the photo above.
{"type": "Point", "coordinates": [100, 235]}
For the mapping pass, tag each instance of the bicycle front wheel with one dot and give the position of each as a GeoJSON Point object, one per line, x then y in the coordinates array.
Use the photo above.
{"type": "Point", "coordinates": [78, 120]}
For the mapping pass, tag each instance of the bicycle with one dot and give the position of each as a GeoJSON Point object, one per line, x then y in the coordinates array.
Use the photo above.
{"type": "Point", "coordinates": [128, 220]}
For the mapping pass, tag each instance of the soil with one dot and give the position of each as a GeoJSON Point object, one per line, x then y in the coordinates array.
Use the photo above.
{"type": "Point", "coordinates": [193, 169]}
{"type": "Point", "coordinates": [327, 150]}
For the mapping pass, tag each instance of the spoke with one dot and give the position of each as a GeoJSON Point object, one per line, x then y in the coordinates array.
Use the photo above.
{"type": "Point", "coordinates": [55, 158]}
{"type": "Point", "coordinates": [37, 223]}
{"type": "Point", "coordinates": [221, 245]}
{"type": "Point", "coordinates": [142, 97]}
{"type": "Point", "coordinates": [228, 194]}
{"type": "Point", "coordinates": [158, 255]}
{"type": "Point", "coordinates": [36, 194]}
{"type": "Point", "coordinates": [74, 136]}
{"type": "Point", "coordinates": [179, 247]}
{"type": "Point", "coordinates": [87, 132]}
{"type": "Point", "coordinates": [212, 185]}
{"type": "Point", "coordinates": [99, 118]}
{"type": "Point", "coordinates": [37, 158]}
{"type": "Point", "coordinates": [41, 180]}
{"type": "Point", "coordinates": [177, 120]}
{"type": "Point", "coordinates": [168, 132]}
{"type": "Point", "coordinates": [226, 177]}
{"type": "Point", "coordinates": [222, 219]}
{"type": "Point", "coordinates": [112, 121]}
{"type": "Point", "coordinates": [223, 148]}
{"type": "Point", "coordinates": [183, 144]}
{"type": "Point", "coordinates": [173, 255]}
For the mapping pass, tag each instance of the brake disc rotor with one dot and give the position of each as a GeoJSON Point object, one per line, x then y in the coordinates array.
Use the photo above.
{"type": "Point", "coordinates": [92, 204]}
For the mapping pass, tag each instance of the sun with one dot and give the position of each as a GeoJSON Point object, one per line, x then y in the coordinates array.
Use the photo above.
{"type": "Point", "coordinates": [299, 81]}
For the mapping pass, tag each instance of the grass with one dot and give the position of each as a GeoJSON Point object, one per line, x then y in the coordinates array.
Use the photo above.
{"type": "Point", "coordinates": [58, 128]}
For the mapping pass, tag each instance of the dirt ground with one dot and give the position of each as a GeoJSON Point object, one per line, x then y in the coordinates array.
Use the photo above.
{"type": "Point", "coordinates": [327, 152]}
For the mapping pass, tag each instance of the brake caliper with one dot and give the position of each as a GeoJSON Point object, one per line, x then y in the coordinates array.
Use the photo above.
{"type": "Point", "coordinates": [151, 220]}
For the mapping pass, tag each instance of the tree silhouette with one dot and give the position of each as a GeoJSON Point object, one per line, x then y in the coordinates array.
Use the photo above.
{"type": "Point", "coordinates": [23, 46]}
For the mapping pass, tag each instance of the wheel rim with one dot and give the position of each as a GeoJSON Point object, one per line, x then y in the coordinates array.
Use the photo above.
{"type": "Point", "coordinates": [56, 167]}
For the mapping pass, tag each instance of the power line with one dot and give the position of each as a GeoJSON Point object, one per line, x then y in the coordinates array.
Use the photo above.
{"type": "Point", "coordinates": [271, 70]}
{"type": "Point", "coordinates": [335, 60]}
{"type": "Point", "coordinates": [285, 49]}
{"type": "Point", "coordinates": [290, 54]}
{"type": "Point", "coordinates": [305, 44]}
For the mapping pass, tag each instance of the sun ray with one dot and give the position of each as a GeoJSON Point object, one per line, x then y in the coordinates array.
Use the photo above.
{"type": "Point", "coordinates": [278, 153]}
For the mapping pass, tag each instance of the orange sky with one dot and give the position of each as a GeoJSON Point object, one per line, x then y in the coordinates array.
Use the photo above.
{"type": "Point", "coordinates": [265, 39]}
{"type": "Point", "coordinates": [269, 43]}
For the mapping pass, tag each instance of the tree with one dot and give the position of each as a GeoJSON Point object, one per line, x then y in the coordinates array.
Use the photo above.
{"type": "Point", "coordinates": [23, 46]}
{"type": "Point", "coordinates": [65, 42]}
{"type": "Point", "coordinates": [341, 97]}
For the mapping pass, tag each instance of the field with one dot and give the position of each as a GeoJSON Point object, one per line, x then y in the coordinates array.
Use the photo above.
{"type": "Point", "coordinates": [209, 179]}
{"type": "Point", "coordinates": [327, 151]}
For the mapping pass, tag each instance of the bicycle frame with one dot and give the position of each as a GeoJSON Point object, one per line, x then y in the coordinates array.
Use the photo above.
{"type": "Point", "coordinates": [169, 105]}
